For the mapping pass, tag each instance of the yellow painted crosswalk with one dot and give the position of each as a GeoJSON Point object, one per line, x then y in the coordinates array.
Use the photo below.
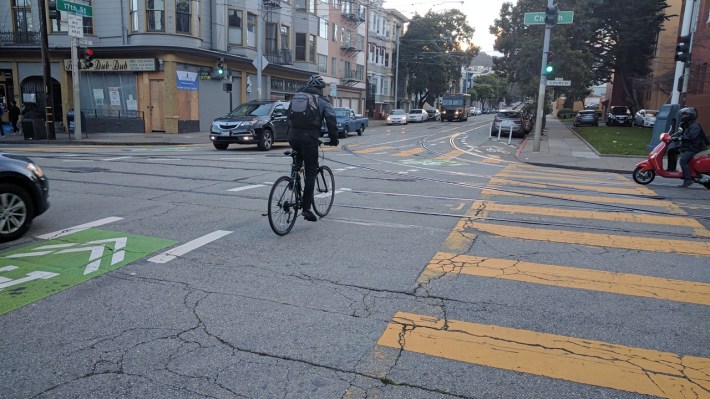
{"type": "Point", "coordinates": [552, 209]}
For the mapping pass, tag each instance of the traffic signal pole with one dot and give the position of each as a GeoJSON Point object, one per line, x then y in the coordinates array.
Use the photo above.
{"type": "Point", "coordinates": [678, 94]}
{"type": "Point", "coordinates": [75, 87]}
{"type": "Point", "coordinates": [543, 84]}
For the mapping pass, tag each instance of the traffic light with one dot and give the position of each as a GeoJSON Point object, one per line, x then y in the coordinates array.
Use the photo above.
{"type": "Point", "coordinates": [551, 14]}
{"type": "Point", "coordinates": [219, 72]}
{"type": "Point", "coordinates": [88, 58]}
{"type": "Point", "coordinates": [550, 66]}
{"type": "Point", "coordinates": [52, 11]}
{"type": "Point", "coordinates": [682, 50]}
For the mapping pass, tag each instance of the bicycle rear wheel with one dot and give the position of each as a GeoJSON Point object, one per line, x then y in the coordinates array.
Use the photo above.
{"type": "Point", "coordinates": [324, 192]}
{"type": "Point", "coordinates": [282, 206]}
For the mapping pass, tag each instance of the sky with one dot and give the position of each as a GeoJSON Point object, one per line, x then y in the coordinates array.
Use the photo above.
{"type": "Point", "coordinates": [479, 14]}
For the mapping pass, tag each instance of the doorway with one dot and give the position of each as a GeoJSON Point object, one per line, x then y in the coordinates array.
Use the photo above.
{"type": "Point", "coordinates": [155, 106]}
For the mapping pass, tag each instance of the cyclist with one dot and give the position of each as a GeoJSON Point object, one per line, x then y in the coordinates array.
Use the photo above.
{"type": "Point", "coordinates": [305, 141]}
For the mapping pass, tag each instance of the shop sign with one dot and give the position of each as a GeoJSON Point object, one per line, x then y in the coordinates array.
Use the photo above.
{"type": "Point", "coordinates": [118, 65]}
{"type": "Point", "coordinates": [205, 74]}
{"type": "Point", "coordinates": [187, 80]}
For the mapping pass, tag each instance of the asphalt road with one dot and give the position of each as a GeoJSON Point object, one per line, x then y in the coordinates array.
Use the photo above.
{"type": "Point", "coordinates": [446, 269]}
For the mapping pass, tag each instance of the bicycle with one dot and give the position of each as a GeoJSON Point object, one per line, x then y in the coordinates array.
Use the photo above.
{"type": "Point", "coordinates": [286, 196]}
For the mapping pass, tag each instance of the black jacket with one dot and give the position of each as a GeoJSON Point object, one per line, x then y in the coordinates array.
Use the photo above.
{"type": "Point", "coordinates": [326, 111]}
{"type": "Point", "coordinates": [693, 138]}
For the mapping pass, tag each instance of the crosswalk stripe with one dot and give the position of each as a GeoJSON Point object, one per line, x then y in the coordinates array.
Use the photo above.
{"type": "Point", "coordinates": [643, 371]}
{"type": "Point", "coordinates": [667, 205]}
{"type": "Point", "coordinates": [409, 153]}
{"type": "Point", "coordinates": [669, 220]}
{"type": "Point", "coordinates": [450, 155]}
{"type": "Point", "coordinates": [569, 277]}
{"type": "Point", "coordinates": [640, 190]}
{"type": "Point", "coordinates": [372, 149]}
{"type": "Point", "coordinates": [685, 247]}
{"type": "Point", "coordinates": [556, 177]}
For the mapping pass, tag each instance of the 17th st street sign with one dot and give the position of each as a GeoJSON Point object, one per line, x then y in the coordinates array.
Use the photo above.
{"type": "Point", "coordinates": [538, 18]}
{"type": "Point", "coordinates": [75, 7]}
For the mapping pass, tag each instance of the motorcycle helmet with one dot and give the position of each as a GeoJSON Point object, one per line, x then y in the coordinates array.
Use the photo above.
{"type": "Point", "coordinates": [688, 114]}
{"type": "Point", "coordinates": [316, 81]}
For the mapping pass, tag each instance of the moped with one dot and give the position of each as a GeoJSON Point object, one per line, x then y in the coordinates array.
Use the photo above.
{"type": "Point", "coordinates": [646, 170]}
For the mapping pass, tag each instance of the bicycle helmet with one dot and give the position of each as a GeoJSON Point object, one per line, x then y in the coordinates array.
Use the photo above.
{"type": "Point", "coordinates": [316, 81]}
{"type": "Point", "coordinates": [688, 114]}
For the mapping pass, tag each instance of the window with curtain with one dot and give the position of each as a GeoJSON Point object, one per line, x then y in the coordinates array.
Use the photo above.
{"type": "Point", "coordinates": [134, 15]}
{"type": "Point", "coordinates": [285, 37]}
{"type": "Point", "coordinates": [22, 12]}
{"type": "Point", "coordinates": [182, 16]}
{"type": "Point", "coordinates": [155, 14]}
{"type": "Point", "coordinates": [251, 30]}
{"type": "Point", "coordinates": [312, 48]}
{"type": "Point", "coordinates": [235, 26]}
{"type": "Point", "coordinates": [300, 46]}
{"type": "Point", "coordinates": [271, 36]}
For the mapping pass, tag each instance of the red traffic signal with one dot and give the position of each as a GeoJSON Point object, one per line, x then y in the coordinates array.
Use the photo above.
{"type": "Point", "coordinates": [88, 58]}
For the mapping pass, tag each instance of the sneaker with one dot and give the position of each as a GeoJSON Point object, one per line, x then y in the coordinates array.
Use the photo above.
{"type": "Point", "coordinates": [308, 215]}
{"type": "Point", "coordinates": [686, 183]}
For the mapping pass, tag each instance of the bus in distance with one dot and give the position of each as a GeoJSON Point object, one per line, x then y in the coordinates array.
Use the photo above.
{"type": "Point", "coordinates": [455, 106]}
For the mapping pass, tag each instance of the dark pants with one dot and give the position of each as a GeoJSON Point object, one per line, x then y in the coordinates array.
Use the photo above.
{"type": "Point", "coordinates": [685, 158]}
{"type": "Point", "coordinates": [307, 148]}
{"type": "Point", "coordinates": [673, 158]}
{"type": "Point", "coordinates": [14, 121]}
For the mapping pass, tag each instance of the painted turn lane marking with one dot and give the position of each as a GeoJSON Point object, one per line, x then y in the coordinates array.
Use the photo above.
{"type": "Point", "coordinates": [644, 371]}
{"type": "Point", "coordinates": [568, 277]}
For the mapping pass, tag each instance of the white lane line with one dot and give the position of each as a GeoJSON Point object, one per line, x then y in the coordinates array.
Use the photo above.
{"type": "Point", "coordinates": [335, 192]}
{"type": "Point", "coordinates": [171, 254]}
{"type": "Point", "coordinates": [164, 159]}
{"type": "Point", "coordinates": [234, 159]}
{"type": "Point", "coordinates": [246, 187]}
{"type": "Point", "coordinates": [115, 159]}
{"type": "Point", "coordinates": [340, 169]}
{"type": "Point", "coordinates": [81, 227]}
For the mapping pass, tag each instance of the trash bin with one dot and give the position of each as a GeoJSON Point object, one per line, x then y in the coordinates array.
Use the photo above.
{"type": "Point", "coordinates": [72, 124]}
{"type": "Point", "coordinates": [33, 127]}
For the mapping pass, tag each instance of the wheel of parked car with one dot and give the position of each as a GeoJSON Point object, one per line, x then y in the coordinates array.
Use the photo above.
{"type": "Point", "coordinates": [16, 212]}
{"type": "Point", "coordinates": [266, 140]}
{"type": "Point", "coordinates": [361, 130]}
{"type": "Point", "coordinates": [344, 135]}
{"type": "Point", "coordinates": [220, 146]}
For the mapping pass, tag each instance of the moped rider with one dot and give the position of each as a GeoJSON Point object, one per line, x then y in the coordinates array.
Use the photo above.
{"type": "Point", "coordinates": [692, 142]}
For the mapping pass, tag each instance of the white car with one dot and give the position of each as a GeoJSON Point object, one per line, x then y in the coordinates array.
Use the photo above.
{"type": "Point", "coordinates": [645, 117]}
{"type": "Point", "coordinates": [417, 115]}
{"type": "Point", "coordinates": [474, 111]}
{"type": "Point", "coordinates": [397, 116]}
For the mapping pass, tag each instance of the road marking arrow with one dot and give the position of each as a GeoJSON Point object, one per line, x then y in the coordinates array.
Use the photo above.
{"type": "Point", "coordinates": [96, 251]}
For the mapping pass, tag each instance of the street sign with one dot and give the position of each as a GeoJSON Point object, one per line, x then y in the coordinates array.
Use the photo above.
{"type": "Point", "coordinates": [76, 25]}
{"type": "Point", "coordinates": [538, 18]}
{"type": "Point", "coordinates": [75, 7]}
{"type": "Point", "coordinates": [86, 42]}
{"type": "Point", "coordinates": [264, 63]}
{"type": "Point", "coordinates": [559, 82]}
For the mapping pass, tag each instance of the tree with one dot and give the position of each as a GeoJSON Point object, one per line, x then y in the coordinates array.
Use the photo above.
{"type": "Point", "coordinates": [490, 89]}
{"type": "Point", "coordinates": [432, 52]}
{"type": "Point", "coordinates": [607, 38]}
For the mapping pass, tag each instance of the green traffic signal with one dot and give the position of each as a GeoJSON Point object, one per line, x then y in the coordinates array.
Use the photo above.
{"type": "Point", "coordinates": [549, 69]}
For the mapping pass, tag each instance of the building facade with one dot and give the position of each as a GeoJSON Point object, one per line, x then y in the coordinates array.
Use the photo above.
{"type": "Point", "coordinates": [162, 65]}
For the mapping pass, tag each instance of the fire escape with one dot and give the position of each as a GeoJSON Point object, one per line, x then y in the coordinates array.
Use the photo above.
{"type": "Point", "coordinates": [276, 56]}
{"type": "Point", "coordinates": [353, 14]}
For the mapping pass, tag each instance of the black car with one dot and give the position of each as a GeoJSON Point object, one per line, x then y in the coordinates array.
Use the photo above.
{"type": "Point", "coordinates": [619, 115]}
{"type": "Point", "coordinates": [24, 195]}
{"type": "Point", "coordinates": [586, 117]}
{"type": "Point", "coordinates": [260, 122]}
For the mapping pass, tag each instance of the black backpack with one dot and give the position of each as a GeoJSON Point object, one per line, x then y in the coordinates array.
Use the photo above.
{"type": "Point", "coordinates": [303, 113]}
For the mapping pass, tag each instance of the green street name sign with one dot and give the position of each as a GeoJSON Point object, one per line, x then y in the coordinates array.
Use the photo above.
{"type": "Point", "coordinates": [75, 8]}
{"type": "Point", "coordinates": [538, 18]}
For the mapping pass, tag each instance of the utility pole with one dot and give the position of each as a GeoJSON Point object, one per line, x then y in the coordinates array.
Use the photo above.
{"type": "Point", "coordinates": [259, 51]}
{"type": "Point", "coordinates": [680, 66]}
{"type": "Point", "coordinates": [47, 78]}
{"type": "Point", "coordinates": [396, 69]}
{"type": "Point", "coordinates": [543, 79]}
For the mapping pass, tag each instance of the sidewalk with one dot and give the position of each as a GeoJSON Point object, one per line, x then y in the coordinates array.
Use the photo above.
{"type": "Point", "coordinates": [559, 146]}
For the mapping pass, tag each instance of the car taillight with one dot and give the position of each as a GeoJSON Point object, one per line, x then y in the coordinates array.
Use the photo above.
{"type": "Point", "coordinates": [497, 120]}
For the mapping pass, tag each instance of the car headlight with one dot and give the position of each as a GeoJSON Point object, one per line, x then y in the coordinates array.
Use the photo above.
{"type": "Point", "coordinates": [35, 169]}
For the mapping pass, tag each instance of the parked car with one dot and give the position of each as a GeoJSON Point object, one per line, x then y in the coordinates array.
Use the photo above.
{"type": "Point", "coordinates": [586, 117]}
{"type": "Point", "coordinates": [645, 118]}
{"type": "Point", "coordinates": [260, 122]}
{"type": "Point", "coordinates": [347, 122]}
{"type": "Point", "coordinates": [417, 115]}
{"type": "Point", "coordinates": [24, 195]}
{"type": "Point", "coordinates": [397, 116]}
{"type": "Point", "coordinates": [507, 119]}
{"type": "Point", "coordinates": [474, 111]}
{"type": "Point", "coordinates": [619, 115]}
{"type": "Point", "coordinates": [434, 115]}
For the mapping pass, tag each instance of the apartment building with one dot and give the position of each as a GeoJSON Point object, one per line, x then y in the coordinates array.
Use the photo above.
{"type": "Point", "coordinates": [162, 65]}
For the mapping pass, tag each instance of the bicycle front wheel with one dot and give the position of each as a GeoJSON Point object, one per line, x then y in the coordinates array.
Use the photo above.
{"type": "Point", "coordinates": [282, 206]}
{"type": "Point", "coordinates": [324, 192]}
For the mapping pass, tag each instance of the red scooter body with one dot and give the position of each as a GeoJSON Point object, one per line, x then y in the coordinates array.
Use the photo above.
{"type": "Point", "coordinates": [647, 170]}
